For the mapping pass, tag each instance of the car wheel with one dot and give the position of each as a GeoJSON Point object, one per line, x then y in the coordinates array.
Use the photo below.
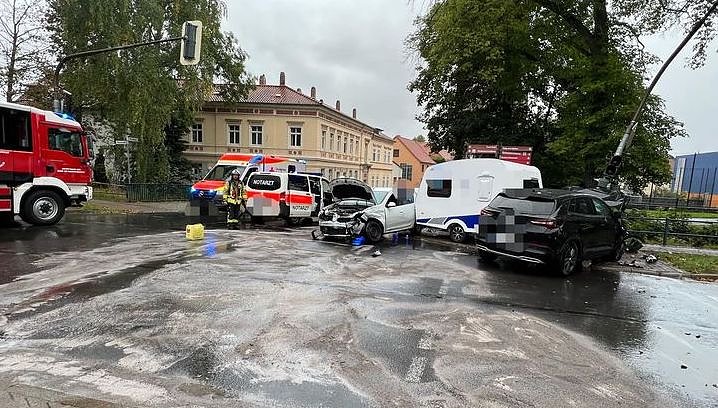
{"type": "Point", "coordinates": [373, 231]}
{"type": "Point", "coordinates": [43, 208]}
{"type": "Point", "coordinates": [569, 258]}
{"type": "Point", "coordinates": [487, 256]}
{"type": "Point", "coordinates": [456, 233]}
{"type": "Point", "coordinates": [618, 251]}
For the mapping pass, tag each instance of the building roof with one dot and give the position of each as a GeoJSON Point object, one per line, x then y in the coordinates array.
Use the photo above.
{"type": "Point", "coordinates": [284, 95]}
{"type": "Point", "coordinates": [271, 94]}
{"type": "Point", "coordinates": [443, 153]}
{"type": "Point", "coordinates": [416, 149]}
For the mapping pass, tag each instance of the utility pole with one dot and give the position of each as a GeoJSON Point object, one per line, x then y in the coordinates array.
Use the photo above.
{"type": "Point", "coordinates": [690, 180]}
{"type": "Point", "coordinates": [189, 53]}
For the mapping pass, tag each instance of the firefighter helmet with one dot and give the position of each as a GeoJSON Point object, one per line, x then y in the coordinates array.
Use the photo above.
{"type": "Point", "coordinates": [236, 172]}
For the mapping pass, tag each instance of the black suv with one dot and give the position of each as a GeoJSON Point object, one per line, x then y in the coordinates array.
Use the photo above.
{"type": "Point", "coordinates": [560, 228]}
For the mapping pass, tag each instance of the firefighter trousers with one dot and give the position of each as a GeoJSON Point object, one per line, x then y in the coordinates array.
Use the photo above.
{"type": "Point", "coordinates": [234, 211]}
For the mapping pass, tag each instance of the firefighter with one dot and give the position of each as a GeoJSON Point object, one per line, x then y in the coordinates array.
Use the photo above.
{"type": "Point", "coordinates": [235, 196]}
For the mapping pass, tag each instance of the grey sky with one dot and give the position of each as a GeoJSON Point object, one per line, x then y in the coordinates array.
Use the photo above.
{"type": "Point", "coordinates": [354, 51]}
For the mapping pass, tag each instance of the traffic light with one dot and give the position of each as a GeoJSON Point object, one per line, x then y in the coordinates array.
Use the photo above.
{"type": "Point", "coordinates": [191, 42]}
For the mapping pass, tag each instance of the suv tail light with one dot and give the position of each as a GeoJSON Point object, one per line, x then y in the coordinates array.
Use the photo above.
{"type": "Point", "coordinates": [547, 223]}
{"type": "Point", "coordinates": [488, 212]}
{"type": "Point", "coordinates": [283, 196]}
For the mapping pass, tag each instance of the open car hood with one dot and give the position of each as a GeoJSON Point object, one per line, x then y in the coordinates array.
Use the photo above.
{"type": "Point", "coordinates": [347, 188]}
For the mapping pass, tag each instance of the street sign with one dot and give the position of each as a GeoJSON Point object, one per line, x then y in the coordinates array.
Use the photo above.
{"type": "Point", "coordinates": [132, 139]}
{"type": "Point", "coordinates": [120, 142]}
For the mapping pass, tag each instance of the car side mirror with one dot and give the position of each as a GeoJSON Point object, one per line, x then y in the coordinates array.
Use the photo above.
{"type": "Point", "coordinates": [390, 204]}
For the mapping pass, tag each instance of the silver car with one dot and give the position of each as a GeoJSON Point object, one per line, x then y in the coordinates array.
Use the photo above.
{"type": "Point", "coordinates": [358, 211]}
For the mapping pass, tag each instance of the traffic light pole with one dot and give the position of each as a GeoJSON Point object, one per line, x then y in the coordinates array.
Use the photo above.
{"type": "Point", "coordinates": [608, 181]}
{"type": "Point", "coordinates": [56, 103]}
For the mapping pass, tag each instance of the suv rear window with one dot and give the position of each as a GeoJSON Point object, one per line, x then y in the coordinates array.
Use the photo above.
{"type": "Point", "coordinates": [529, 206]}
{"type": "Point", "coordinates": [265, 182]}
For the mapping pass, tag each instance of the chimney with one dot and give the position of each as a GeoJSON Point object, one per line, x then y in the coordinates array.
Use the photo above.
{"type": "Point", "coordinates": [314, 93]}
{"type": "Point", "coordinates": [354, 113]}
{"type": "Point", "coordinates": [299, 90]}
{"type": "Point", "coordinates": [262, 80]}
{"type": "Point", "coordinates": [282, 79]}
{"type": "Point", "coordinates": [339, 105]}
{"type": "Point", "coordinates": [321, 101]}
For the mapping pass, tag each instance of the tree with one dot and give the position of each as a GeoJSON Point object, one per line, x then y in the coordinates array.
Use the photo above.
{"type": "Point", "coordinates": [99, 168]}
{"type": "Point", "coordinates": [420, 139]}
{"type": "Point", "coordinates": [23, 46]}
{"type": "Point", "coordinates": [141, 91]}
{"type": "Point", "coordinates": [563, 76]}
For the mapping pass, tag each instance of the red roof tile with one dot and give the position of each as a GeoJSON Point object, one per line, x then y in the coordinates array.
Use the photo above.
{"type": "Point", "coordinates": [443, 153]}
{"type": "Point", "coordinates": [271, 94]}
{"type": "Point", "coordinates": [416, 150]}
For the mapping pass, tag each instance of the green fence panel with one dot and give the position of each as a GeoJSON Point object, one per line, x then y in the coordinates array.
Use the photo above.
{"type": "Point", "coordinates": [149, 192]}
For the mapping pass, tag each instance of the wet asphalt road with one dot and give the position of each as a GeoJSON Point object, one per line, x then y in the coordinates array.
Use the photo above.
{"type": "Point", "coordinates": [124, 308]}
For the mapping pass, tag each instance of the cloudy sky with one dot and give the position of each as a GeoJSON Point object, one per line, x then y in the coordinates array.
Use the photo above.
{"type": "Point", "coordinates": [354, 51]}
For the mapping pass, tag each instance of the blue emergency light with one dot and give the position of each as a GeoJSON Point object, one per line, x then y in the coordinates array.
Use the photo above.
{"type": "Point", "coordinates": [65, 115]}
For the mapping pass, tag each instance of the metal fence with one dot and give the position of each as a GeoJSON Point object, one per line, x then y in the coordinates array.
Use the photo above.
{"type": "Point", "coordinates": [145, 192]}
{"type": "Point", "coordinates": [674, 230]}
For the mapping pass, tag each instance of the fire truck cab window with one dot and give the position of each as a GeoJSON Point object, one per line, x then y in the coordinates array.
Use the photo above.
{"type": "Point", "coordinates": [68, 142]}
{"type": "Point", "coordinates": [15, 131]}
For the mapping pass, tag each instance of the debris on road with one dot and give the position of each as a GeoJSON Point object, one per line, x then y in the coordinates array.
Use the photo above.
{"type": "Point", "coordinates": [376, 253]}
{"type": "Point", "coordinates": [650, 258]}
{"type": "Point", "coordinates": [633, 245]}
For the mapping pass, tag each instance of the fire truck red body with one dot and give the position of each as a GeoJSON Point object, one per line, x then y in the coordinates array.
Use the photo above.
{"type": "Point", "coordinates": [44, 164]}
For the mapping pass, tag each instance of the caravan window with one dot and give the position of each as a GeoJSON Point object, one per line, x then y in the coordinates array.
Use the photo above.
{"type": "Point", "coordinates": [486, 187]}
{"type": "Point", "coordinates": [438, 188]}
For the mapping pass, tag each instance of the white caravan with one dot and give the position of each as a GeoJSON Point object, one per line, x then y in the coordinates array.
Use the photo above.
{"type": "Point", "coordinates": [452, 194]}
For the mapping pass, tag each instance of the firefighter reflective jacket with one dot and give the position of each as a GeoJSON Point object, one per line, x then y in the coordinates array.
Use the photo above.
{"type": "Point", "coordinates": [234, 191]}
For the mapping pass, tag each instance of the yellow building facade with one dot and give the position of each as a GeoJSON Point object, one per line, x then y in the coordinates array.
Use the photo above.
{"type": "Point", "coordinates": [278, 120]}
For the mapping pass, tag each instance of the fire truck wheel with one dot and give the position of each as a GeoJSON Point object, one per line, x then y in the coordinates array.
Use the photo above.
{"type": "Point", "coordinates": [43, 207]}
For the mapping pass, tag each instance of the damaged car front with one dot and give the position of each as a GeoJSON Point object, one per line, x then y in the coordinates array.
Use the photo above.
{"type": "Point", "coordinates": [345, 217]}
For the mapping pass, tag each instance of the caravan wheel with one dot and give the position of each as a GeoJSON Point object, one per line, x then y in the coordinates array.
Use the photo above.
{"type": "Point", "coordinates": [456, 233]}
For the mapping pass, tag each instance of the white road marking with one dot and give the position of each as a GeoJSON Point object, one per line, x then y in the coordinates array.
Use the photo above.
{"type": "Point", "coordinates": [416, 370]}
{"type": "Point", "coordinates": [443, 289]}
{"type": "Point", "coordinates": [425, 342]}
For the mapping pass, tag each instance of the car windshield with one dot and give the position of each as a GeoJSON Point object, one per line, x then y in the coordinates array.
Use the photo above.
{"type": "Point", "coordinates": [379, 196]}
{"type": "Point", "coordinates": [222, 172]}
{"type": "Point", "coordinates": [528, 206]}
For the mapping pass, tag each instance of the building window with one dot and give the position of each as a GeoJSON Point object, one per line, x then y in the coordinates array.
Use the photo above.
{"type": "Point", "coordinates": [324, 139]}
{"type": "Point", "coordinates": [295, 136]}
{"type": "Point", "coordinates": [257, 135]}
{"type": "Point", "coordinates": [197, 133]}
{"type": "Point", "coordinates": [346, 140]}
{"type": "Point", "coordinates": [396, 152]}
{"type": "Point", "coordinates": [373, 155]}
{"type": "Point", "coordinates": [331, 142]}
{"type": "Point", "coordinates": [233, 134]}
{"type": "Point", "coordinates": [406, 171]}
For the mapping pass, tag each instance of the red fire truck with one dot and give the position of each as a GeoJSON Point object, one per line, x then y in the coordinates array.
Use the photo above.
{"type": "Point", "coordinates": [44, 164]}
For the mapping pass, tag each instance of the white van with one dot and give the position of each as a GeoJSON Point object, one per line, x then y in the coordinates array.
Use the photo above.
{"type": "Point", "coordinates": [290, 196]}
{"type": "Point", "coordinates": [452, 194]}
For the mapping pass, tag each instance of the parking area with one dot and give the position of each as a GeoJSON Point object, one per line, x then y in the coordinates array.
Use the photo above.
{"type": "Point", "coordinates": [123, 311]}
